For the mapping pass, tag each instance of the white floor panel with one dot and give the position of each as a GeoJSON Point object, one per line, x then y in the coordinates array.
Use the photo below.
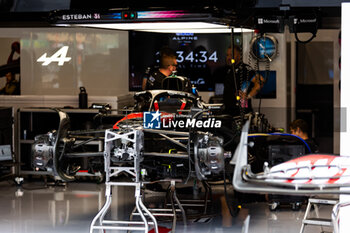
{"type": "Point", "coordinates": [36, 209]}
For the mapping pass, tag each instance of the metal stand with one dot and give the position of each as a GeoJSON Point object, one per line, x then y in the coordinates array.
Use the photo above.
{"type": "Point", "coordinates": [123, 139]}
{"type": "Point", "coordinates": [176, 205]}
{"type": "Point", "coordinates": [167, 212]}
{"type": "Point", "coordinates": [336, 216]}
{"type": "Point", "coordinates": [317, 221]}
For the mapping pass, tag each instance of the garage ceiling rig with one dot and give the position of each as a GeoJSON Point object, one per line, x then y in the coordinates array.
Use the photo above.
{"type": "Point", "coordinates": [148, 20]}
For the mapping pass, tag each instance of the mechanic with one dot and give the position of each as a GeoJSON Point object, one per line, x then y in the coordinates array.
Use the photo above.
{"type": "Point", "coordinates": [15, 49]}
{"type": "Point", "coordinates": [299, 127]}
{"type": "Point", "coordinates": [167, 66]}
{"type": "Point", "coordinates": [247, 82]}
{"type": "Point", "coordinates": [11, 87]}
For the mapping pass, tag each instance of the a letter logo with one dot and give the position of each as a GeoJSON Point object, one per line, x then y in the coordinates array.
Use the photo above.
{"type": "Point", "coordinates": [151, 120]}
{"type": "Point", "coordinates": [60, 57]}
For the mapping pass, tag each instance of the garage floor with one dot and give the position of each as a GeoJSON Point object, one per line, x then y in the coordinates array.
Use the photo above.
{"type": "Point", "coordinates": [37, 209]}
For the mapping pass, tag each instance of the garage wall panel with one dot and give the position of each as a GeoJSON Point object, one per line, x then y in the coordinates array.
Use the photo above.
{"type": "Point", "coordinates": [94, 58]}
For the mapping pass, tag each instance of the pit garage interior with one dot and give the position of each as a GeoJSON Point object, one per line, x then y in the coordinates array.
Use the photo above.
{"type": "Point", "coordinates": [77, 155]}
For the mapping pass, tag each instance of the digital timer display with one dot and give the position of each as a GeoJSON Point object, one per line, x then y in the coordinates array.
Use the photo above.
{"type": "Point", "coordinates": [196, 59]}
{"type": "Point", "coordinates": [198, 56]}
{"type": "Point", "coordinates": [201, 56]}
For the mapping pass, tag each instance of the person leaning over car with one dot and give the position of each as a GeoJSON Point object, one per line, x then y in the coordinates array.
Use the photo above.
{"type": "Point", "coordinates": [153, 78]}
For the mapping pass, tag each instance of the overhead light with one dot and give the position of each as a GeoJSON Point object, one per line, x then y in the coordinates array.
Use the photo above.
{"type": "Point", "coordinates": [168, 27]}
{"type": "Point", "coordinates": [200, 30]}
{"type": "Point", "coordinates": [170, 21]}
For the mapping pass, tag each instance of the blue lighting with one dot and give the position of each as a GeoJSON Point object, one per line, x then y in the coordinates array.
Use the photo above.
{"type": "Point", "coordinates": [114, 16]}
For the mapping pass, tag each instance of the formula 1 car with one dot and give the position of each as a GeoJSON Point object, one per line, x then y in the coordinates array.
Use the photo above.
{"type": "Point", "coordinates": [182, 137]}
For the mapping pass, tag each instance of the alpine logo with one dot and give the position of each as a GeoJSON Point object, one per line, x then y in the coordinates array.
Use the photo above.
{"type": "Point", "coordinates": [60, 57]}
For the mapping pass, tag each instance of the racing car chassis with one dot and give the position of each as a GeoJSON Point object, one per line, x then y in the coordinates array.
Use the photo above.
{"type": "Point", "coordinates": [199, 154]}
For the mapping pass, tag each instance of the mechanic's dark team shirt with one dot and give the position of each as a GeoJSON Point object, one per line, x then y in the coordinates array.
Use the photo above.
{"type": "Point", "coordinates": [154, 80]}
{"type": "Point", "coordinates": [11, 88]}
{"type": "Point", "coordinates": [313, 145]}
{"type": "Point", "coordinates": [244, 75]}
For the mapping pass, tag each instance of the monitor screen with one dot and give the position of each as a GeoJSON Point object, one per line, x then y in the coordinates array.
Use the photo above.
{"type": "Point", "coordinates": [198, 56]}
